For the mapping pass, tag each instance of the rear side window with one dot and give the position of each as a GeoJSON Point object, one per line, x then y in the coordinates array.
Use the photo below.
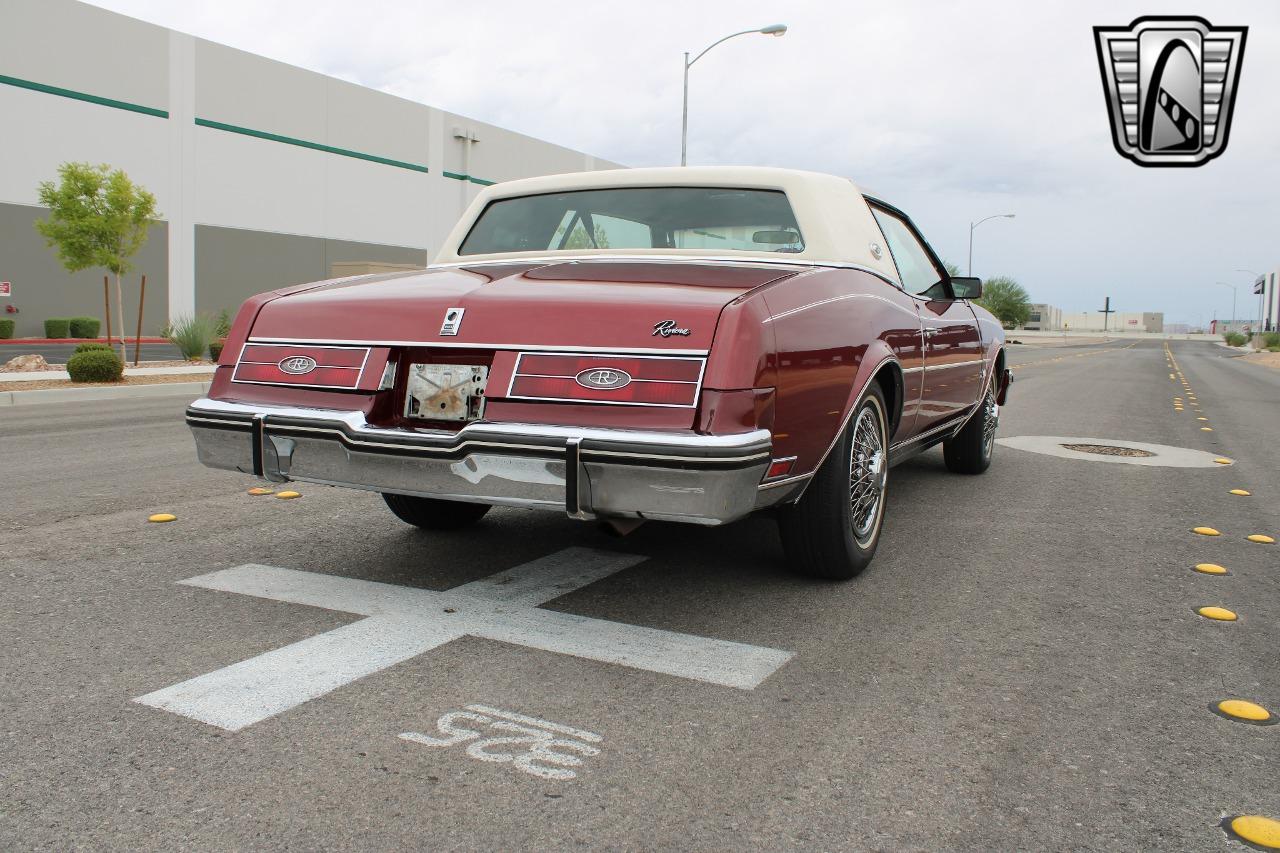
{"type": "Point", "coordinates": [711, 218]}
{"type": "Point", "coordinates": [915, 267]}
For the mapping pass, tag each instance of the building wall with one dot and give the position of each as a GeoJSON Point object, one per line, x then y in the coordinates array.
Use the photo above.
{"type": "Point", "coordinates": [233, 264]}
{"type": "Point", "coordinates": [264, 173]}
{"type": "Point", "coordinates": [1044, 318]}
{"type": "Point", "coordinates": [1120, 321]}
{"type": "Point", "coordinates": [42, 288]}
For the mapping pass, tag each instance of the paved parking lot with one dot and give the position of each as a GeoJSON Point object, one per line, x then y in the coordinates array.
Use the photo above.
{"type": "Point", "coordinates": [1022, 666]}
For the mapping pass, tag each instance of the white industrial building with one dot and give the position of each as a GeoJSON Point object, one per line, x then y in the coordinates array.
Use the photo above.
{"type": "Point", "coordinates": [265, 174]}
{"type": "Point", "coordinates": [1118, 321]}
{"type": "Point", "coordinates": [1044, 318]}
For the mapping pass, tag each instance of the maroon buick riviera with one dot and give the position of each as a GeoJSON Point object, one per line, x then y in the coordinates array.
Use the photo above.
{"type": "Point", "coordinates": [677, 344]}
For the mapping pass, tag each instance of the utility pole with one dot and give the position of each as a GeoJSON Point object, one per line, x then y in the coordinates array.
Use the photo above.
{"type": "Point", "coordinates": [1106, 312]}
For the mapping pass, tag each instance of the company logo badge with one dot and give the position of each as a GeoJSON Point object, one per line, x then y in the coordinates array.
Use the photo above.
{"type": "Point", "coordinates": [1170, 84]}
{"type": "Point", "coordinates": [297, 365]}
{"type": "Point", "coordinates": [603, 378]}
{"type": "Point", "coordinates": [667, 328]}
{"type": "Point", "coordinates": [452, 320]}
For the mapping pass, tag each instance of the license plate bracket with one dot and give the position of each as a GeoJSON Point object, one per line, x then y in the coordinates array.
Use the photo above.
{"type": "Point", "coordinates": [446, 392]}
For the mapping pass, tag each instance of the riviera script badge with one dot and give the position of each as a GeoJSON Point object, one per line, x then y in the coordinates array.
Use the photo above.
{"type": "Point", "coordinates": [667, 328]}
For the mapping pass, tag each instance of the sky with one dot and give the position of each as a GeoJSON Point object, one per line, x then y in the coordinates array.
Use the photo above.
{"type": "Point", "coordinates": [952, 111]}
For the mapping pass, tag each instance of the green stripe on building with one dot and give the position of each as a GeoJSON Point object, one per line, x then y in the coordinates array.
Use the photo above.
{"type": "Point", "coordinates": [315, 146]}
{"type": "Point", "coordinates": [481, 181]}
{"type": "Point", "coordinates": [82, 96]}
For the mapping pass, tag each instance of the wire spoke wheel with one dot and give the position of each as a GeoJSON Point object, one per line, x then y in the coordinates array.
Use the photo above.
{"type": "Point", "coordinates": [868, 471]}
{"type": "Point", "coordinates": [990, 419]}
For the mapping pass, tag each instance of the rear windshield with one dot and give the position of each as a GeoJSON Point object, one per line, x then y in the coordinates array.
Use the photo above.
{"type": "Point", "coordinates": [714, 219]}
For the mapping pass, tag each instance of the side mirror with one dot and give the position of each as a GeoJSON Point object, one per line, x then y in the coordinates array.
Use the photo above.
{"type": "Point", "coordinates": [966, 287]}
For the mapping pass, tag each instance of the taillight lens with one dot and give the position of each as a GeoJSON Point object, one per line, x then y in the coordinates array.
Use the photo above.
{"type": "Point", "coordinates": [621, 380]}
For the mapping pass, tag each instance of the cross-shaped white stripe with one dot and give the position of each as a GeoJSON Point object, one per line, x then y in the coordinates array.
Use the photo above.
{"type": "Point", "coordinates": [402, 622]}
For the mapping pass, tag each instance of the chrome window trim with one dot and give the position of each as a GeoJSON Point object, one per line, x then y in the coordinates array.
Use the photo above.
{"type": "Point", "coordinates": [788, 262]}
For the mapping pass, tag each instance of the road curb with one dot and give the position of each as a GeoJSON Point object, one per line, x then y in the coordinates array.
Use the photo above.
{"type": "Point", "coordinates": [77, 395]}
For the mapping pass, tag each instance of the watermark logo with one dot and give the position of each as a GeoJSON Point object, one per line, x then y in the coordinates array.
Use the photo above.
{"type": "Point", "coordinates": [1170, 84]}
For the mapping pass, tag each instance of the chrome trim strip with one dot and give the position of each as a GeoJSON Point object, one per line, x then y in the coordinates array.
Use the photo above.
{"type": "Point", "coordinates": [907, 370]}
{"type": "Point", "coordinates": [368, 350]}
{"type": "Point", "coordinates": [791, 261]}
{"type": "Point", "coordinates": [752, 444]}
{"type": "Point", "coordinates": [844, 424]}
{"type": "Point", "coordinates": [958, 420]}
{"type": "Point", "coordinates": [969, 363]}
{"type": "Point", "coordinates": [841, 298]}
{"type": "Point", "coordinates": [460, 345]}
{"type": "Point", "coordinates": [697, 390]}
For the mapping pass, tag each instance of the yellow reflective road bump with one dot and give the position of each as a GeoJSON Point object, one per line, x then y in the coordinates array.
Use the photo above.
{"type": "Point", "coordinates": [1205, 531]}
{"type": "Point", "coordinates": [1206, 429]}
{"type": "Point", "coordinates": [1261, 539]}
{"type": "Point", "coordinates": [1219, 614]}
{"type": "Point", "coordinates": [162, 517]}
{"type": "Point", "coordinates": [260, 490]}
{"type": "Point", "coordinates": [1241, 492]}
{"type": "Point", "coordinates": [1223, 461]}
{"type": "Point", "coordinates": [288, 495]}
{"type": "Point", "coordinates": [1255, 829]}
{"type": "Point", "coordinates": [1243, 711]}
{"type": "Point", "coordinates": [1202, 418]}
{"type": "Point", "coordinates": [1210, 569]}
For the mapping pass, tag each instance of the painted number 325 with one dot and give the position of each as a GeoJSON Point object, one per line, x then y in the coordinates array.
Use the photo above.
{"type": "Point", "coordinates": [541, 748]}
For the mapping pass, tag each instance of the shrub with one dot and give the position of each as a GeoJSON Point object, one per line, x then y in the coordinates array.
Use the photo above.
{"type": "Point", "coordinates": [84, 327]}
{"type": "Point", "coordinates": [57, 327]}
{"type": "Point", "coordinates": [215, 350]}
{"type": "Point", "coordinates": [1235, 339]}
{"type": "Point", "coordinates": [192, 335]}
{"type": "Point", "coordinates": [223, 326]}
{"type": "Point", "coordinates": [91, 347]}
{"type": "Point", "coordinates": [95, 365]}
{"type": "Point", "coordinates": [1270, 340]}
{"type": "Point", "coordinates": [6, 330]}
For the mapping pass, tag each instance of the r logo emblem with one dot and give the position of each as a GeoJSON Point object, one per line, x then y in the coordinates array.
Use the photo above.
{"type": "Point", "coordinates": [297, 365]}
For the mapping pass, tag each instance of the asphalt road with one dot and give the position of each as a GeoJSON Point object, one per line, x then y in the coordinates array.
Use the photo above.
{"type": "Point", "coordinates": [1020, 668]}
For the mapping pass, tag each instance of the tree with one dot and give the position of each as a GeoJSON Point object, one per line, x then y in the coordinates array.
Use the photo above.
{"type": "Point", "coordinates": [97, 218]}
{"type": "Point", "coordinates": [1006, 299]}
{"type": "Point", "coordinates": [952, 269]}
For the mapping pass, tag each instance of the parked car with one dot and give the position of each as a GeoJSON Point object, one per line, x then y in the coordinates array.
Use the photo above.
{"type": "Point", "coordinates": [674, 344]}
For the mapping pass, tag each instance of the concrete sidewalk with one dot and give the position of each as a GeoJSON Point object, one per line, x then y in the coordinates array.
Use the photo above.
{"type": "Point", "coordinates": [90, 393]}
{"type": "Point", "coordinates": [48, 375]}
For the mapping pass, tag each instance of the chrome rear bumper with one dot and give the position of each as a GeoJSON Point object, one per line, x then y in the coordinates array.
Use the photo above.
{"type": "Point", "coordinates": [583, 471]}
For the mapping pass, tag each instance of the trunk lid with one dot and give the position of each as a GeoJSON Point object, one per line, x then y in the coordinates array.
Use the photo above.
{"type": "Point", "coordinates": [606, 306]}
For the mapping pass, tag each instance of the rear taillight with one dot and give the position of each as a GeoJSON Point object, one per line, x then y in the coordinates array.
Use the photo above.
{"type": "Point", "coordinates": [610, 379]}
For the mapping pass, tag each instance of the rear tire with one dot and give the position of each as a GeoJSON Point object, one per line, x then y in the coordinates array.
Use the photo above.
{"type": "Point", "coordinates": [969, 451]}
{"type": "Point", "coordinates": [833, 530]}
{"type": "Point", "coordinates": [434, 514]}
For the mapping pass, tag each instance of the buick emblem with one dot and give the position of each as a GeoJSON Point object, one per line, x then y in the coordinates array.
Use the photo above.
{"type": "Point", "coordinates": [297, 365]}
{"type": "Point", "coordinates": [603, 378]}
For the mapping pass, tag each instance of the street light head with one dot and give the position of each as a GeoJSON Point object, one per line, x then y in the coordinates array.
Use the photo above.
{"type": "Point", "coordinates": [773, 30]}
{"type": "Point", "coordinates": [1011, 216]}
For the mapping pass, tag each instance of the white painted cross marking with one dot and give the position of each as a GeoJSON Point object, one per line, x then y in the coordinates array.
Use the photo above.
{"type": "Point", "coordinates": [403, 622]}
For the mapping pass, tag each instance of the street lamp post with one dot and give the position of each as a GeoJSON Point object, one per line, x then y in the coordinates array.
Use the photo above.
{"type": "Point", "coordinates": [1233, 303]}
{"type": "Point", "coordinates": [771, 30]}
{"type": "Point", "coordinates": [973, 225]}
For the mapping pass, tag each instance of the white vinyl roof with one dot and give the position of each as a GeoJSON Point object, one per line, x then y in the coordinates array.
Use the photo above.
{"type": "Point", "coordinates": [833, 216]}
